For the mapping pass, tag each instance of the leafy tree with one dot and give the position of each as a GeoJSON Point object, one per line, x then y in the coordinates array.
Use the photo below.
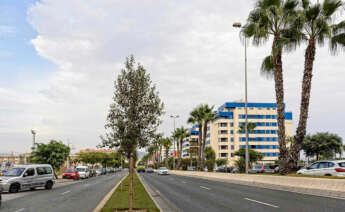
{"type": "Point", "coordinates": [323, 145]}
{"type": "Point", "coordinates": [196, 117]}
{"type": "Point", "coordinates": [210, 156]}
{"type": "Point", "coordinates": [179, 134]}
{"type": "Point", "coordinates": [221, 162]}
{"type": "Point", "coordinates": [54, 153]}
{"type": "Point", "coordinates": [134, 115]}
{"type": "Point", "coordinates": [273, 17]}
{"type": "Point", "coordinates": [314, 25]}
{"type": "Point", "coordinates": [254, 156]}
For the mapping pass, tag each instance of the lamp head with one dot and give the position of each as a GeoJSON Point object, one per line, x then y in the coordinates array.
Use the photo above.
{"type": "Point", "coordinates": [237, 24]}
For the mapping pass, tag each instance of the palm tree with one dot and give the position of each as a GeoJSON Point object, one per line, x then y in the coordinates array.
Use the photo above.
{"type": "Point", "coordinates": [150, 151]}
{"type": "Point", "coordinates": [196, 117]}
{"type": "Point", "coordinates": [166, 142]}
{"type": "Point", "coordinates": [271, 18]}
{"type": "Point", "coordinates": [314, 25]}
{"type": "Point", "coordinates": [251, 126]}
{"type": "Point", "coordinates": [208, 116]}
{"type": "Point", "coordinates": [180, 134]}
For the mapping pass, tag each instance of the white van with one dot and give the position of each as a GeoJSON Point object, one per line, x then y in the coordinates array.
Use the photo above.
{"type": "Point", "coordinates": [83, 171]}
{"type": "Point", "coordinates": [28, 177]}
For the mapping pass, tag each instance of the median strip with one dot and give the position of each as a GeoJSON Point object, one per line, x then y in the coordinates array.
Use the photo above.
{"type": "Point", "coordinates": [263, 203]}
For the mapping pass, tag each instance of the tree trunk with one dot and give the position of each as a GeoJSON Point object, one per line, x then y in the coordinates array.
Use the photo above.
{"type": "Point", "coordinates": [131, 173]}
{"type": "Point", "coordinates": [279, 89]}
{"type": "Point", "coordinates": [304, 107]}
{"type": "Point", "coordinates": [56, 177]}
{"type": "Point", "coordinates": [203, 144]}
{"type": "Point", "coordinates": [179, 147]}
{"type": "Point", "coordinates": [167, 159]}
{"type": "Point", "coordinates": [199, 165]}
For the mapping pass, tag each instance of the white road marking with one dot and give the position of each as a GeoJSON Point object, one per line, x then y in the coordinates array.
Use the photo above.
{"type": "Point", "coordinates": [22, 209]}
{"type": "Point", "coordinates": [253, 200]}
{"type": "Point", "coordinates": [205, 187]}
{"type": "Point", "coordinates": [183, 182]}
{"type": "Point", "coordinates": [66, 192]}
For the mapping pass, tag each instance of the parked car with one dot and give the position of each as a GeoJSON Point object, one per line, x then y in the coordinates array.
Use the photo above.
{"type": "Point", "coordinates": [325, 168]}
{"type": "Point", "coordinates": [235, 170]}
{"type": "Point", "coordinates": [71, 174]}
{"type": "Point", "coordinates": [256, 169]}
{"type": "Point", "coordinates": [163, 171]}
{"type": "Point", "coordinates": [269, 168]}
{"type": "Point", "coordinates": [83, 171]}
{"type": "Point", "coordinates": [224, 169]}
{"type": "Point", "coordinates": [27, 177]}
{"type": "Point", "coordinates": [191, 168]}
{"type": "Point", "coordinates": [149, 170]}
{"type": "Point", "coordinates": [99, 172]}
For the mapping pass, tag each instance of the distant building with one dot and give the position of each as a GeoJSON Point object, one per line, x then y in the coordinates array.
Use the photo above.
{"type": "Point", "coordinates": [224, 137]}
{"type": "Point", "coordinates": [8, 160]}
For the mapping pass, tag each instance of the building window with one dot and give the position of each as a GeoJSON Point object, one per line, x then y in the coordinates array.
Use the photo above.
{"type": "Point", "coordinates": [232, 147]}
{"type": "Point", "coordinates": [232, 139]}
{"type": "Point", "coordinates": [223, 155]}
{"type": "Point", "coordinates": [231, 132]}
{"type": "Point", "coordinates": [222, 132]}
{"type": "Point", "coordinates": [231, 124]}
{"type": "Point", "coordinates": [223, 147]}
{"type": "Point", "coordinates": [232, 155]}
{"type": "Point", "coordinates": [223, 124]}
{"type": "Point", "coordinates": [222, 139]}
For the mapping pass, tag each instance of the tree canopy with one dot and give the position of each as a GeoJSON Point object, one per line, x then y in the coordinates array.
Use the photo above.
{"type": "Point", "coordinates": [324, 145]}
{"type": "Point", "coordinates": [54, 153]}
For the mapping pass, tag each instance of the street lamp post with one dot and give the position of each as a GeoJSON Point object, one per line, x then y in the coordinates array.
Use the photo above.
{"type": "Point", "coordinates": [33, 132]}
{"type": "Point", "coordinates": [238, 25]}
{"type": "Point", "coordinates": [174, 117]}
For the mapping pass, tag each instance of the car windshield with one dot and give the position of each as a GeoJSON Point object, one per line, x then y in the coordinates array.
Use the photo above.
{"type": "Point", "coordinates": [81, 169]}
{"type": "Point", "coordinates": [69, 171]}
{"type": "Point", "coordinates": [257, 167]}
{"type": "Point", "coordinates": [163, 168]}
{"type": "Point", "coordinates": [14, 172]}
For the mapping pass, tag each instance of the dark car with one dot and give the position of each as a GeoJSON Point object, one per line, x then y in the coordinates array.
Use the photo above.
{"type": "Point", "coordinates": [149, 170]}
{"type": "Point", "coordinates": [71, 174]}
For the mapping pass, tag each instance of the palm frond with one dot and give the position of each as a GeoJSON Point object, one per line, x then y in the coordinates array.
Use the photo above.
{"type": "Point", "coordinates": [330, 6]}
{"type": "Point", "coordinates": [305, 4]}
{"type": "Point", "coordinates": [336, 41]}
{"type": "Point", "coordinates": [267, 67]}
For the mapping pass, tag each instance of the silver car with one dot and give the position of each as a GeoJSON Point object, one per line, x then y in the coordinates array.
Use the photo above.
{"type": "Point", "coordinates": [27, 177]}
{"type": "Point", "coordinates": [325, 168]}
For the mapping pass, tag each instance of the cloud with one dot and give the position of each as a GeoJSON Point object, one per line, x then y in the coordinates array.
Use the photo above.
{"type": "Point", "coordinates": [190, 48]}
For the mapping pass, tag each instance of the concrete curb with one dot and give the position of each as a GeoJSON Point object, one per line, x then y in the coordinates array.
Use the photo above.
{"type": "Point", "coordinates": [107, 197]}
{"type": "Point", "coordinates": [274, 186]}
{"type": "Point", "coordinates": [162, 203]}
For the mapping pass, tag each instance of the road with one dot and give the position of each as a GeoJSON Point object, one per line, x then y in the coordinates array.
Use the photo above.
{"type": "Point", "coordinates": [83, 196]}
{"type": "Point", "coordinates": [194, 194]}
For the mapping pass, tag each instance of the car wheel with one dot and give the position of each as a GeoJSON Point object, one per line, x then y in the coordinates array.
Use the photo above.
{"type": "Point", "coordinates": [328, 175]}
{"type": "Point", "coordinates": [49, 185]}
{"type": "Point", "coordinates": [14, 188]}
{"type": "Point", "coordinates": [32, 189]}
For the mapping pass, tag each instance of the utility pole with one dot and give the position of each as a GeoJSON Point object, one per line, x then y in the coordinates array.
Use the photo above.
{"type": "Point", "coordinates": [33, 132]}
{"type": "Point", "coordinates": [238, 25]}
{"type": "Point", "coordinates": [174, 117]}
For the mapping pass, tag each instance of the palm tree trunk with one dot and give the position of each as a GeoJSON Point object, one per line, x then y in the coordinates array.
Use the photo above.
{"type": "Point", "coordinates": [203, 144]}
{"type": "Point", "coordinates": [167, 159]}
{"type": "Point", "coordinates": [304, 107]}
{"type": "Point", "coordinates": [279, 89]}
{"type": "Point", "coordinates": [199, 164]}
{"type": "Point", "coordinates": [178, 154]}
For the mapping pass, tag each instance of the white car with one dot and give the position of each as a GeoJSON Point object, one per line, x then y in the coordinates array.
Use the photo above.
{"type": "Point", "coordinates": [162, 171]}
{"type": "Point", "coordinates": [325, 168]}
{"type": "Point", "coordinates": [83, 172]}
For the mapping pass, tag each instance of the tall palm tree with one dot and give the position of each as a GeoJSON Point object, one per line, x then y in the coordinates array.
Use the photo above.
{"type": "Point", "coordinates": [251, 126]}
{"type": "Point", "coordinates": [150, 151]}
{"type": "Point", "coordinates": [208, 116]}
{"type": "Point", "coordinates": [313, 25]}
{"type": "Point", "coordinates": [196, 117]}
{"type": "Point", "coordinates": [271, 18]}
{"type": "Point", "coordinates": [180, 134]}
{"type": "Point", "coordinates": [166, 142]}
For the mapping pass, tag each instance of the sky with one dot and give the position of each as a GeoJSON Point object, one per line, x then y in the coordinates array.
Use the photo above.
{"type": "Point", "coordinates": [59, 60]}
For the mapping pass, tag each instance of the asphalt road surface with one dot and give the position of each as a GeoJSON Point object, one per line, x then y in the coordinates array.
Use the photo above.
{"type": "Point", "coordinates": [194, 194]}
{"type": "Point", "coordinates": [82, 196]}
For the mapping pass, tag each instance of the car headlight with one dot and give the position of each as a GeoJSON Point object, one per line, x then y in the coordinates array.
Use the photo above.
{"type": "Point", "coordinates": [3, 181]}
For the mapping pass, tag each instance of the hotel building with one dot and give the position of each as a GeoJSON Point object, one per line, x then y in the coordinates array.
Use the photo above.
{"type": "Point", "coordinates": [225, 138]}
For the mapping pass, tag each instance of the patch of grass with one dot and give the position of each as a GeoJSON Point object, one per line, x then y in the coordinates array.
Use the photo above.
{"type": "Point", "coordinates": [120, 198]}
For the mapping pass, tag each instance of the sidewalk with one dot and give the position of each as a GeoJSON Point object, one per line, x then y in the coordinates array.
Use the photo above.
{"type": "Point", "coordinates": [334, 188]}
